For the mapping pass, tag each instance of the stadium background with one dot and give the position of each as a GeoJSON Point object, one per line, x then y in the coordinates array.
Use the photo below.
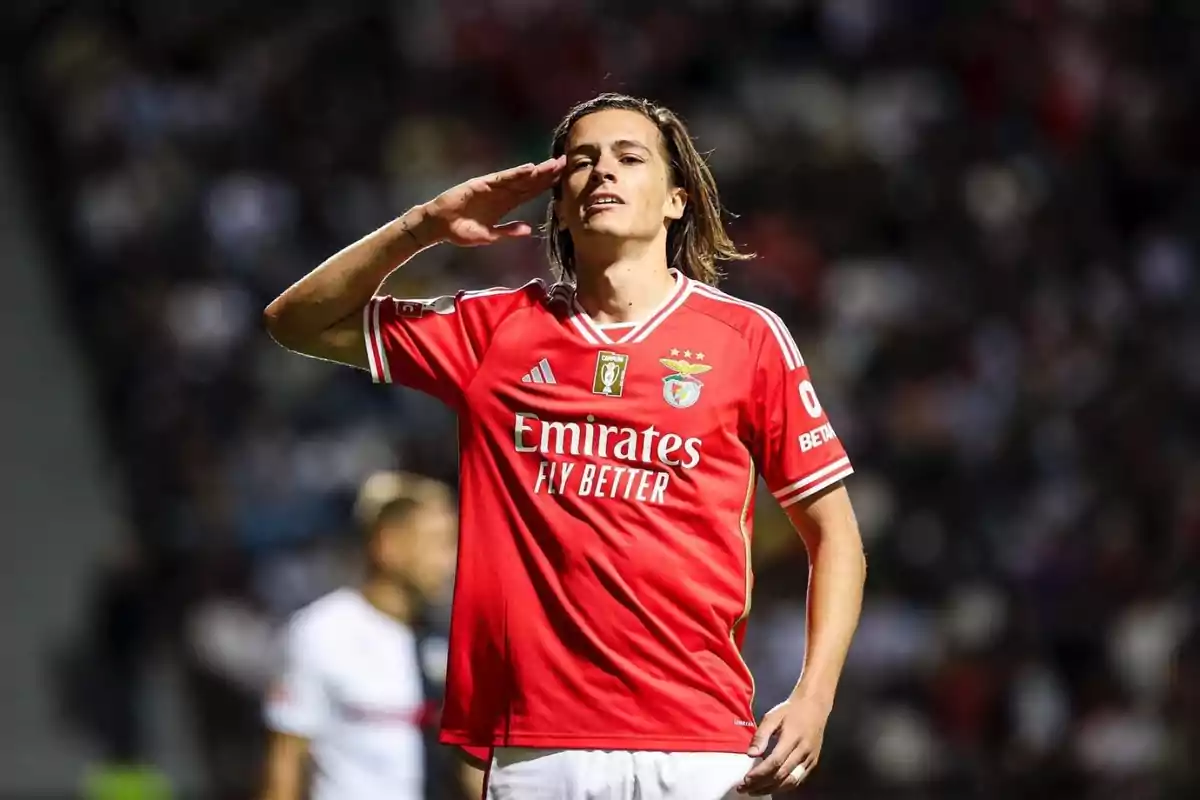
{"type": "Point", "coordinates": [979, 218]}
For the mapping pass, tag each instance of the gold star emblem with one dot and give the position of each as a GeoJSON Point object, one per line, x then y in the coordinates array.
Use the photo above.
{"type": "Point", "coordinates": [674, 351]}
{"type": "Point", "coordinates": [687, 353]}
{"type": "Point", "coordinates": [699, 356]}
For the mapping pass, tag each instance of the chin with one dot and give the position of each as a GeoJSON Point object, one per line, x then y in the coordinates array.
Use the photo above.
{"type": "Point", "coordinates": [604, 225]}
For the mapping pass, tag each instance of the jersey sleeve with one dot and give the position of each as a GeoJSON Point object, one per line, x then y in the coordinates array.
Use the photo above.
{"type": "Point", "coordinates": [434, 345]}
{"type": "Point", "coordinates": [297, 702]}
{"type": "Point", "coordinates": [796, 449]}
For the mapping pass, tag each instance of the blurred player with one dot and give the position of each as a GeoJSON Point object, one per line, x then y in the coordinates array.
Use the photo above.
{"type": "Point", "coordinates": [350, 704]}
{"type": "Point", "coordinates": [612, 427]}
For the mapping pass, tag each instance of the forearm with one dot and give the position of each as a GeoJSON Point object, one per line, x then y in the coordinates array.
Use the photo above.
{"type": "Point", "coordinates": [835, 591]}
{"type": "Point", "coordinates": [284, 789]}
{"type": "Point", "coordinates": [345, 282]}
{"type": "Point", "coordinates": [285, 776]}
{"type": "Point", "coordinates": [470, 779]}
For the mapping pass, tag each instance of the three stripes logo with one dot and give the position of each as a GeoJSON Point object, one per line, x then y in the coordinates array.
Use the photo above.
{"type": "Point", "coordinates": [539, 374]}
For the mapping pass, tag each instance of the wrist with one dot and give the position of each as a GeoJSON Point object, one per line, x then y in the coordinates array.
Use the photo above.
{"type": "Point", "coordinates": [812, 692]}
{"type": "Point", "coordinates": [418, 226]}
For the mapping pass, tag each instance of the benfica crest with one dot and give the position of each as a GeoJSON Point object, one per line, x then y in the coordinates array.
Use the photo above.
{"type": "Point", "coordinates": [682, 389]}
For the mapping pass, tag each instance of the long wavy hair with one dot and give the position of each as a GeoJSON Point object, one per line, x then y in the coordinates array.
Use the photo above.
{"type": "Point", "coordinates": [697, 241]}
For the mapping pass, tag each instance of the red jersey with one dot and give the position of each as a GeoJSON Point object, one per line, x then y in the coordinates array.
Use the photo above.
{"type": "Point", "coordinates": [607, 494]}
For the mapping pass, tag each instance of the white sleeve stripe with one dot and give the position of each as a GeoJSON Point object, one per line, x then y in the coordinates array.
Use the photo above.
{"type": "Point", "coordinates": [447, 303]}
{"type": "Point", "coordinates": [377, 360]}
{"type": "Point", "coordinates": [787, 340]}
{"type": "Point", "coordinates": [385, 372]}
{"type": "Point", "coordinates": [814, 476]}
{"type": "Point", "coordinates": [791, 353]}
{"type": "Point", "coordinates": [847, 472]}
{"type": "Point", "coordinates": [369, 338]}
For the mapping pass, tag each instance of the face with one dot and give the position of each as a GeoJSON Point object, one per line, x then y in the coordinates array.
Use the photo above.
{"type": "Point", "coordinates": [617, 181]}
{"type": "Point", "coordinates": [420, 551]}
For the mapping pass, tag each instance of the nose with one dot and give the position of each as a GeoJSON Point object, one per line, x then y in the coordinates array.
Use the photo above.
{"type": "Point", "coordinates": [604, 170]}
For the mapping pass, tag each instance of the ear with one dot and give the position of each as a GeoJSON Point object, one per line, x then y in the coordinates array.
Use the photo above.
{"type": "Point", "coordinates": [374, 546]}
{"type": "Point", "coordinates": [676, 203]}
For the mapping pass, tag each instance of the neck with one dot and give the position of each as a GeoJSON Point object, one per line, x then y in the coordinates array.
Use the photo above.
{"type": "Point", "coordinates": [389, 597]}
{"type": "Point", "coordinates": [624, 289]}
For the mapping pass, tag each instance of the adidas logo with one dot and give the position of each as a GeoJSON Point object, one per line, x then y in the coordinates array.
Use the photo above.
{"type": "Point", "coordinates": [539, 374]}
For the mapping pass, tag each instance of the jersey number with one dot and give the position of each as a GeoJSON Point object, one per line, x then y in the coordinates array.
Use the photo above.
{"type": "Point", "coordinates": [808, 396]}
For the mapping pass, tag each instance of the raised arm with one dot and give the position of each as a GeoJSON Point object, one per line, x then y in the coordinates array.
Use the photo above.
{"type": "Point", "coordinates": [321, 314]}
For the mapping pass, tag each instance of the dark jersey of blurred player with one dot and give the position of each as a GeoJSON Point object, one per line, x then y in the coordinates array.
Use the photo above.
{"type": "Point", "coordinates": [607, 492]}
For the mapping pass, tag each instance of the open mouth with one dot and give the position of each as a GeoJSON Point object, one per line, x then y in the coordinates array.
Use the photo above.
{"type": "Point", "coordinates": [602, 202]}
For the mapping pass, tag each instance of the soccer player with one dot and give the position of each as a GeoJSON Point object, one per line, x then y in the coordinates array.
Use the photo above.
{"type": "Point", "coordinates": [612, 427]}
{"type": "Point", "coordinates": [351, 700]}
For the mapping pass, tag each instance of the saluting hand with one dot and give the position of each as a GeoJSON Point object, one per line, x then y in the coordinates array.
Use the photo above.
{"type": "Point", "coordinates": [469, 214]}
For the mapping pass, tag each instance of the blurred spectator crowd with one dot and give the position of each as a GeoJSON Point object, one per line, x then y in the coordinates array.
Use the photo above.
{"type": "Point", "coordinates": [980, 220]}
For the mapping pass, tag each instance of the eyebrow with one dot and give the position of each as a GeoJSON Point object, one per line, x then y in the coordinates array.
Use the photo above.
{"type": "Point", "coordinates": [619, 144]}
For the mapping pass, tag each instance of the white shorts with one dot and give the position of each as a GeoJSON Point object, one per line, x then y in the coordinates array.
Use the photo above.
{"type": "Point", "coordinates": [519, 773]}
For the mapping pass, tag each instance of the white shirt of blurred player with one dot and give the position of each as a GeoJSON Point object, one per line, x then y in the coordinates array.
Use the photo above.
{"type": "Point", "coordinates": [351, 685]}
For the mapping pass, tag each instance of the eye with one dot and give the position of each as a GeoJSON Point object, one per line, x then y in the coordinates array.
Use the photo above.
{"type": "Point", "coordinates": [630, 160]}
{"type": "Point", "coordinates": [581, 163]}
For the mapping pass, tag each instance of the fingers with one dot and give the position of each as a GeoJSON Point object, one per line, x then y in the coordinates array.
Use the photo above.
{"type": "Point", "coordinates": [541, 177]}
{"type": "Point", "coordinates": [527, 179]}
{"type": "Point", "coordinates": [549, 172]}
{"type": "Point", "coordinates": [488, 198]}
{"type": "Point", "coordinates": [766, 729]}
{"type": "Point", "coordinates": [552, 166]}
{"type": "Point", "coordinates": [512, 230]}
{"type": "Point", "coordinates": [788, 763]}
{"type": "Point", "coordinates": [511, 174]}
{"type": "Point", "coordinates": [797, 774]}
{"type": "Point", "coordinates": [763, 774]}
{"type": "Point", "coordinates": [794, 769]}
